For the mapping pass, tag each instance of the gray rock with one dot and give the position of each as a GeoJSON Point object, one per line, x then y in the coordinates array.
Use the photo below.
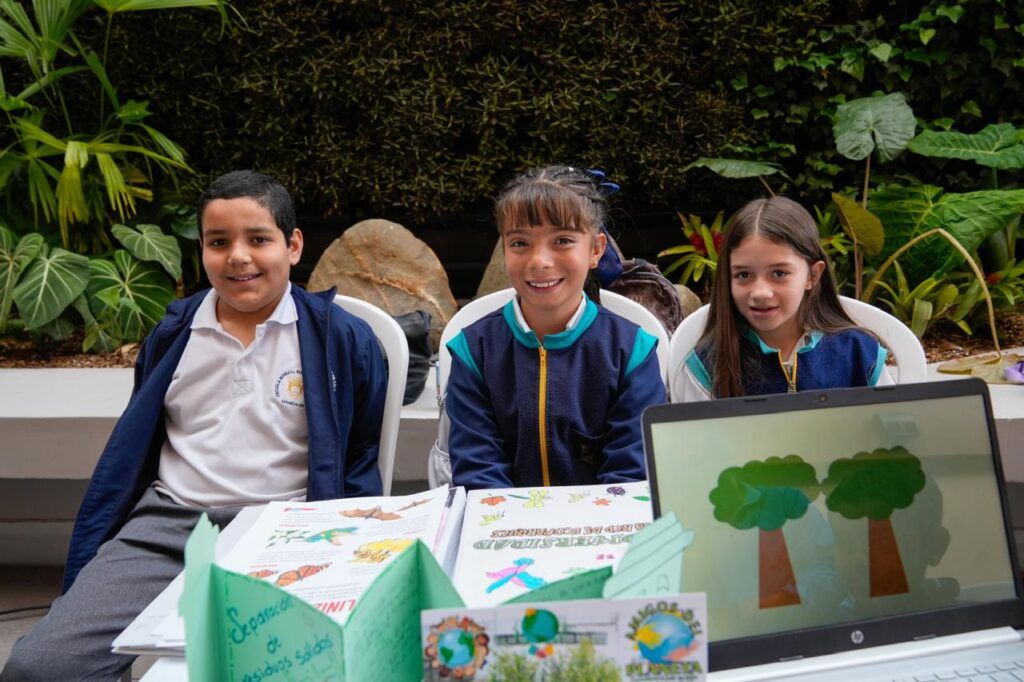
{"type": "Point", "coordinates": [383, 263]}
{"type": "Point", "coordinates": [689, 300]}
{"type": "Point", "coordinates": [495, 277]}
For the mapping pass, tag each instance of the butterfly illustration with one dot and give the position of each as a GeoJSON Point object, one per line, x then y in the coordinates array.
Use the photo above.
{"type": "Point", "coordinates": [493, 500]}
{"type": "Point", "coordinates": [262, 573]}
{"type": "Point", "coordinates": [332, 535]}
{"type": "Point", "coordinates": [375, 513]}
{"type": "Point", "coordinates": [300, 573]}
{"type": "Point", "coordinates": [537, 499]}
{"type": "Point", "coordinates": [488, 519]}
{"type": "Point", "coordinates": [515, 574]}
{"type": "Point", "coordinates": [414, 503]}
{"type": "Point", "coordinates": [578, 497]}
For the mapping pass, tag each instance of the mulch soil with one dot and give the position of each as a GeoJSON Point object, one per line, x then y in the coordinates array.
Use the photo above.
{"type": "Point", "coordinates": [945, 342]}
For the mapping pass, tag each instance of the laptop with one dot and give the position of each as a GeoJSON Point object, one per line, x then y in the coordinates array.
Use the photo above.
{"type": "Point", "coordinates": [849, 534]}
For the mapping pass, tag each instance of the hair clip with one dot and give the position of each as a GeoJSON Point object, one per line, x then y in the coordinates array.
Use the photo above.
{"type": "Point", "coordinates": [605, 187]}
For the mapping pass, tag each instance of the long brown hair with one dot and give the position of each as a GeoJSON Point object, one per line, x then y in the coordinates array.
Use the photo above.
{"type": "Point", "coordinates": [783, 221]}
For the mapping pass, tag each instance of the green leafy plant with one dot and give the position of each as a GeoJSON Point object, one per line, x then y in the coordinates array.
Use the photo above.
{"type": "Point", "coordinates": [920, 307]}
{"type": "Point", "coordinates": [118, 298]}
{"type": "Point", "coordinates": [582, 665]}
{"type": "Point", "coordinates": [880, 125]}
{"type": "Point", "coordinates": [81, 176]}
{"type": "Point", "coordinates": [510, 666]}
{"type": "Point", "coordinates": [698, 258]}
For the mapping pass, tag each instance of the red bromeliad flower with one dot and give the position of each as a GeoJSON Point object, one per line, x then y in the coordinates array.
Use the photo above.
{"type": "Point", "coordinates": [994, 278]}
{"type": "Point", "coordinates": [698, 243]}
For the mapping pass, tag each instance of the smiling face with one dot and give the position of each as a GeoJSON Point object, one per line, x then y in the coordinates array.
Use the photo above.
{"type": "Point", "coordinates": [547, 266]}
{"type": "Point", "coordinates": [768, 284]}
{"type": "Point", "coordinates": [246, 259]}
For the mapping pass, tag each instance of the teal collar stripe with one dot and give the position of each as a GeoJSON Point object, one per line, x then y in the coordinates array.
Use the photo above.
{"type": "Point", "coordinates": [551, 341]}
{"type": "Point", "coordinates": [811, 340]}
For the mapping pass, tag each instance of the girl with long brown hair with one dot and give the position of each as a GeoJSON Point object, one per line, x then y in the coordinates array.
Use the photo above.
{"type": "Point", "coordinates": [775, 323]}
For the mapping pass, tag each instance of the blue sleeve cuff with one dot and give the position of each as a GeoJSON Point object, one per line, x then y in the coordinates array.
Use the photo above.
{"type": "Point", "coordinates": [643, 345]}
{"type": "Point", "coordinates": [459, 347]}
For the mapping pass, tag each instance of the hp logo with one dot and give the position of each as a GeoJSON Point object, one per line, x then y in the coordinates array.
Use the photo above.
{"type": "Point", "coordinates": [857, 637]}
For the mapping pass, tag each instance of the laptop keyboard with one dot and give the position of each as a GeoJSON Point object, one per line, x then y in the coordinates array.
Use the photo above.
{"type": "Point", "coordinates": [1005, 671]}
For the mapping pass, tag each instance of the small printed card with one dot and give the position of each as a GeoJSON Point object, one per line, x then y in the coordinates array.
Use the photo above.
{"type": "Point", "coordinates": [658, 638]}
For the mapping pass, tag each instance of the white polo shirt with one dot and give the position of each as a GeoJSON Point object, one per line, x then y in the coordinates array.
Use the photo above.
{"type": "Point", "coordinates": [235, 416]}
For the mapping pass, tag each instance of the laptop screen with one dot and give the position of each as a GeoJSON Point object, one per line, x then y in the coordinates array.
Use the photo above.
{"type": "Point", "coordinates": [831, 508]}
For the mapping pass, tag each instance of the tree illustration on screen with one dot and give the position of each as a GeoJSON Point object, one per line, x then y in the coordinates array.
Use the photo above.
{"type": "Point", "coordinates": [766, 494]}
{"type": "Point", "coordinates": [872, 485]}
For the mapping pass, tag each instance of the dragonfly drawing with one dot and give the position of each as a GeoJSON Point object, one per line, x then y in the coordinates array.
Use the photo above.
{"type": "Point", "coordinates": [515, 574]}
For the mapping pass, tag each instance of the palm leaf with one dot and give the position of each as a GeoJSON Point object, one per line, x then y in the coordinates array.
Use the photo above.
{"type": "Point", "coordinates": [47, 80]}
{"type": "Point", "coordinates": [115, 6]}
{"type": "Point", "coordinates": [121, 200]}
{"type": "Point", "coordinates": [996, 146]}
{"type": "Point", "coordinates": [53, 280]}
{"type": "Point", "coordinates": [165, 143]}
{"type": "Point", "coordinates": [71, 204]}
{"type": "Point", "coordinates": [149, 243]}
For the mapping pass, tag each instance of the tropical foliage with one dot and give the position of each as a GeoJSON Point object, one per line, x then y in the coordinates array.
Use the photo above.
{"type": "Point", "coordinates": [70, 176]}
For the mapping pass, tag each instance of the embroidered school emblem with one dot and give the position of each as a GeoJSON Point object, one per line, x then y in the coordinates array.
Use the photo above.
{"type": "Point", "coordinates": [288, 388]}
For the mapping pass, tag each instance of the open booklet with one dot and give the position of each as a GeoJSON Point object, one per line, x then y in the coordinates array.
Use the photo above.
{"type": "Point", "coordinates": [325, 553]}
{"type": "Point", "coordinates": [515, 540]}
{"type": "Point", "coordinates": [243, 628]}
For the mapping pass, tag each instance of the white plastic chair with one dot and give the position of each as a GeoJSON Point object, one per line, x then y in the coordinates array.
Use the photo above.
{"type": "Point", "coordinates": [911, 365]}
{"type": "Point", "coordinates": [396, 348]}
{"type": "Point", "coordinates": [643, 318]}
{"type": "Point", "coordinates": [618, 304]}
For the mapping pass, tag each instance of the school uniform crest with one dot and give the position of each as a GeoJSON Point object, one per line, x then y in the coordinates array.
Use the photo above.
{"type": "Point", "coordinates": [288, 388]}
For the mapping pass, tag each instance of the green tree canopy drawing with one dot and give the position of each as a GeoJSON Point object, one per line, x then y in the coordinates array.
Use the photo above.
{"type": "Point", "coordinates": [873, 485]}
{"type": "Point", "coordinates": [765, 494]}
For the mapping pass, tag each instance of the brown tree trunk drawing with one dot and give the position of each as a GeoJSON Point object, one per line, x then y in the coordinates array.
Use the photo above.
{"type": "Point", "coordinates": [884, 562]}
{"type": "Point", "coordinates": [777, 582]}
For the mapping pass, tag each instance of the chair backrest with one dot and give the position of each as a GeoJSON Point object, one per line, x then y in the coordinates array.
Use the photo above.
{"type": "Point", "coordinates": [467, 315]}
{"type": "Point", "coordinates": [642, 317]}
{"type": "Point", "coordinates": [474, 310]}
{"type": "Point", "coordinates": [396, 348]}
{"type": "Point", "coordinates": [911, 365]}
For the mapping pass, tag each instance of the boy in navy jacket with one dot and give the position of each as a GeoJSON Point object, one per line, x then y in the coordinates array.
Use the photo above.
{"type": "Point", "coordinates": [249, 392]}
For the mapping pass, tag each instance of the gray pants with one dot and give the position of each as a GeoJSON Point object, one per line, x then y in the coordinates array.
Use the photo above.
{"type": "Point", "coordinates": [73, 641]}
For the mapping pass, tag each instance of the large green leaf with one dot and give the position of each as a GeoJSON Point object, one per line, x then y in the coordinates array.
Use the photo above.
{"type": "Point", "coordinates": [996, 146]}
{"type": "Point", "coordinates": [53, 280]}
{"type": "Point", "coordinates": [883, 124]}
{"type": "Point", "coordinates": [149, 243]}
{"type": "Point", "coordinates": [737, 168]}
{"type": "Point", "coordinates": [134, 292]}
{"type": "Point", "coordinates": [15, 255]}
{"type": "Point", "coordinates": [970, 218]}
{"type": "Point", "coordinates": [861, 224]}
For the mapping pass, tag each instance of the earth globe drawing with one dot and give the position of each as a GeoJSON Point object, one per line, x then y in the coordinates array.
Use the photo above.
{"type": "Point", "coordinates": [455, 648]}
{"type": "Point", "coordinates": [539, 626]}
{"type": "Point", "coordinates": [664, 638]}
